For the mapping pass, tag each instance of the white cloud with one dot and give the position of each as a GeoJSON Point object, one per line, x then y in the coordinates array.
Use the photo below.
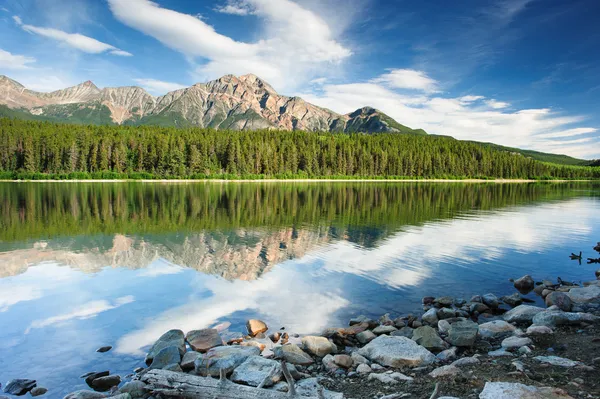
{"type": "Point", "coordinates": [13, 294]}
{"type": "Point", "coordinates": [318, 81]}
{"type": "Point", "coordinates": [160, 269]}
{"type": "Point", "coordinates": [568, 133]}
{"type": "Point", "coordinates": [470, 99]}
{"type": "Point", "coordinates": [295, 45]}
{"type": "Point", "coordinates": [14, 61]}
{"type": "Point", "coordinates": [497, 104]}
{"type": "Point", "coordinates": [158, 86]}
{"type": "Point", "coordinates": [235, 8]}
{"type": "Point", "coordinates": [44, 83]}
{"type": "Point", "coordinates": [407, 79]}
{"type": "Point", "coordinates": [74, 40]}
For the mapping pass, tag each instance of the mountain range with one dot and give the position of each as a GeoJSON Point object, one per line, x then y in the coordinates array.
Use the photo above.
{"type": "Point", "coordinates": [230, 102]}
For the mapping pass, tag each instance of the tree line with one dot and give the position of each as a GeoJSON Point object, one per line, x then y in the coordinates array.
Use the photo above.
{"type": "Point", "coordinates": [33, 149]}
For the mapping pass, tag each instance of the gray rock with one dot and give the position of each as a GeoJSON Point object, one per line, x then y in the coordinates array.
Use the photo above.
{"type": "Point", "coordinates": [120, 396]}
{"type": "Point", "coordinates": [465, 361]}
{"type": "Point", "coordinates": [491, 300]}
{"type": "Point", "coordinates": [403, 332]}
{"type": "Point", "coordinates": [524, 284]}
{"type": "Point", "coordinates": [533, 330]}
{"type": "Point", "coordinates": [428, 338]}
{"type": "Point", "coordinates": [512, 300]}
{"type": "Point", "coordinates": [443, 326]}
{"type": "Point", "coordinates": [310, 387]}
{"type": "Point", "coordinates": [379, 330]}
{"type": "Point", "coordinates": [365, 336]}
{"type": "Point", "coordinates": [509, 390]}
{"type": "Point", "coordinates": [585, 295]}
{"type": "Point", "coordinates": [203, 340]}
{"type": "Point", "coordinates": [103, 384]}
{"type": "Point", "coordinates": [173, 367]}
{"type": "Point", "coordinates": [224, 357]}
{"type": "Point", "coordinates": [516, 342]}
{"type": "Point", "coordinates": [293, 354]}
{"type": "Point", "coordinates": [170, 338]}
{"type": "Point", "coordinates": [363, 319]}
{"type": "Point", "coordinates": [478, 307]}
{"type": "Point", "coordinates": [462, 333]}
{"type": "Point", "coordinates": [396, 352]}
{"type": "Point", "coordinates": [330, 364]}
{"type": "Point", "coordinates": [92, 376]}
{"type": "Point", "coordinates": [522, 314]}
{"type": "Point", "coordinates": [344, 361]}
{"type": "Point", "coordinates": [19, 386]}
{"type": "Point", "coordinates": [358, 359]}
{"type": "Point", "coordinates": [136, 389]}
{"type": "Point", "coordinates": [448, 354]}
{"type": "Point", "coordinates": [363, 369]}
{"type": "Point", "coordinates": [430, 316]}
{"type": "Point", "coordinates": [256, 369]}
{"type": "Point", "coordinates": [557, 361]}
{"type": "Point", "coordinates": [85, 394]}
{"type": "Point", "coordinates": [104, 349]}
{"type": "Point", "coordinates": [445, 313]}
{"type": "Point", "coordinates": [500, 353]}
{"type": "Point", "coordinates": [38, 391]}
{"type": "Point", "coordinates": [496, 329]}
{"type": "Point", "coordinates": [445, 371]}
{"type": "Point", "coordinates": [318, 346]}
{"type": "Point", "coordinates": [444, 301]}
{"type": "Point", "coordinates": [189, 359]}
{"type": "Point", "coordinates": [559, 299]}
{"type": "Point", "coordinates": [166, 356]}
{"type": "Point", "coordinates": [558, 318]}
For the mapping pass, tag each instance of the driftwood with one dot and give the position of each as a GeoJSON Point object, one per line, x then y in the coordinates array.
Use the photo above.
{"type": "Point", "coordinates": [591, 260]}
{"type": "Point", "coordinates": [170, 384]}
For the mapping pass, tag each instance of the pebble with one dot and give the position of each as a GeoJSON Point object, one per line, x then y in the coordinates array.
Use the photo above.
{"type": "Point", "coordinates": [363, 369]}
{"type": "Point", "coordinates": [516, 342]}
{"type": "Point", "coordinates": [104, 349]}
{"type": "Point", "coordinates": [256, 327]}
{"type": "Point", "coordinates": [19, 386]}
{"type": "Point", "coordinates": [38, 391]}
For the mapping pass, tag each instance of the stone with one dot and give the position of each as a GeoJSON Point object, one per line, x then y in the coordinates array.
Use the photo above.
{"type": "Point", "coordinates": [490, 300]}
{"type": "Point", "coordinates": [445, 371]}
{"type": "Point", "coordinates": [559, 299]}
{"type": "Point", "coordinates": [465, 361]}
{"type": "Point", "coordinates": [512, 300]}
{"type": "Point", "coordinates": [255, 369]}
{"type": "Point", "coordinates": [280, 387]}
{"type": "Point", "coordinates": [136, 389]}
{"type": "Point", "coordinates": [416, 324]}
{"type": "Point", "coordinates": [500, 353]}
{"type": "Point", "coordinates": [496, 329]}
{"type": "Point", "coordinates": [522, 314]}
{"type": "Point", "coordinates": [189, 359]}
{"type": "Point", "coordinates": [293, 354]}
{"type": "Point", "coordinates": [598, 274]}
{"type": "Point", "coordinates": [120, 396]}
{"type": "Point", "coordinates": [428, 338]}
{"type": "Point", "coordinates": [19, 386]}
{"type": "Point", "coordinates": [224, 357]}
{"type": "Point", "coordinates": [363, 369]}
{"type": "Point", "coordinates": [534, 329]}
{"type": "Point", "coordinates": [365, 336]}
{"type": "Point", "coordinates": [585, 295]}
{"type": "Point", "coordinates": [443, 326]}
{"type": "Point", "coordinates": [525, 350]}
{"type": "Point", "coordinates": [478, 307]}
{"type": "Point", "coordinates": [358, 359]}
{"type": "Point", "coordinates": [396, 352]}
{"type": "Point", "coordinates": [231, 337]}
{"type": "Point", "coordinates": [462, 333]}
{"type": "Point", "coordinates": [510, 390]}
{"type": "Point", "coordinates": [557, 361]}
{"type": "Point", "coordinates": [379, 330]}
{"type": "Point", "coordinates": [92, 376]}
{"type": "Point", "coordinates": [310, 387]}
{"type": "Point", "coordinates": [557, 318]}
{"type": "Point", "coordinates": [170, 338]}
{"type": "Point", "coordinates": [344, 361]}
{"type": "Point", "coordinates": [444, 301]}
{"type": "Point", "coordinates": [403, 332]}
{"type": "Point", "coordinates": [103, 349]}
{"type": "Point", "coordinates": [84, 394]}
{"type": "Point", "coordinates": [103, 384]}
{"type": "Point", "coordinates": [516, 342]}
{"type": "Point", "coordinates": [377, 367]}
{"type": "Point", "coordinates": [318, 346]}
{"type": "Point", "coordinates": [448, 354]}
{"type": "Point", "coordinates": [166, 356]}
{"type": "Point", "coordinates": [38, 391]}
{"type": "Point", "coordinates": [256, 327]}
{"type": "Point", "coordinates": [203, 340]}
{"type": "Point", "coordinates": [392, 378]}
{"type": "Point", "coordinates": [430, 316]}
{"type": "Point", "coordinates": [370, 323]}
{"type": "Point", "coordinates": [445, 313]}
{"type": "Point", "coordinates": [330, 364]}
{"type": "Point", "coordinates": [524, 284]}
{"type": "Point", "coordinates": [173, 367]}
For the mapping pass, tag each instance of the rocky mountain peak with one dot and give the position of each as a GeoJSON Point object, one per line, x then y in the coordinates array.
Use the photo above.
{"type": "Point", "coordinates": [5, 80]}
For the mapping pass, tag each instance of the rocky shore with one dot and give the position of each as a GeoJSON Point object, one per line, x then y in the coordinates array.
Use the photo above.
{"type": "Point", "coordinates": [482, 347]}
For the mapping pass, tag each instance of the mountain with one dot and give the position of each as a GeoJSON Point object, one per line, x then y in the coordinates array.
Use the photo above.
{"type": "Point", "coordinates": [230, 102]}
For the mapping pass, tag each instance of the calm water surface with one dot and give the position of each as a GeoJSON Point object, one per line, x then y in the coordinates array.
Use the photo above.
{"type": "Point", "coordinates": [84, 265]}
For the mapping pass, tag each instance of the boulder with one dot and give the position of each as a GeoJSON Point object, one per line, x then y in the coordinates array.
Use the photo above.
{"type": "Point", "coordinates": [490, 300]}
{"type": "Point", "coordinates": [510, 390]}
{"type": "Point", "coordinates": [344, 361]}
{"type": "Point", "coordinates": [293, 354]}
{"type": "Point", "coordinates": [358, 359]}
{"type": "Point", "coordinates": [136, 389]}
{"type": "Point", "coordinates": [559, 299]}
{"type": "Point", "coordinates": [370, 323]}
{"type": "Point", "coordinates": [173, 367]}
{"type": "Point", "coordinates": [379, 330]}
{"type": "Point", "coordinates": [443, 326]}
{"type": "Point", "coordinates": [189, 359]}
{"type": "Point", "coordinates": [522, 314]}
{"type": "Point", "coordinates": [166, 356]}
{"type": "Point", "coordinates": [203, 340]}
{"type": "Point", "coordinates": [512, 300]}
{"type": "Point", "coordinates": [535, 330]}
{"type": "Point", "coordinates": [318, 346]}
{"type": "Point", "coordinates": [448, 354]}
{"type": "Point", "coordinates": [524, 284]}
{"type": "Point", "coordinates": [558, 317]}
{"type": "Point", "coordinates": [428, 338]}
{"type": "Point", "coordinates": [256, 327]}
{"type": "Point", "coordinates": [496, 329]}
{"type": "Point", "coordinates": [363, 369]}
{"type": "Point", "coordinates": [365, 336]}
{"type": "Point", "coordinates": [500, 353]}
{"type": "Point", "coordinates": [445, 371]}
{"type": "Point", "coordinates": [85, 394]}
{"type": "Point", "coordinates": [170, 338]}
{"type": "Point", "coordinates": [103, 384]}
{"type": "Point", "coordinates": [89, 377]}
{"type": "Point", "coordinates": [255, 369]}
{"type": "Point", "coordinates": [330, 364]}
{"type": "Point", "coordinates": [430, 316]}
{"type": "Point", "coordinates": [445, 313]}
{"type": "Point", "coordinates": [223, 357]}
{"type": "Point", "coordinates": [396, 352]}
{"type": "Point", "coordinates": [557, 361]}
{"type": "Point", "coordinates": [444, 301]}
{"type": "Point", "coordinates": [462, 333]}
{"type": "Point", "coordinates": [310, 387]}
{"type": "Point", "coordinates": [478, 307]}
{"type": "Point", "coordinates": [403, 332]}
{"type": "Point", "coordinates": [465, 361]}
{"type": "Point", "coordinates": [585, 295]}
{"type": "Point", "coordinates": [19, 386]}
{"type": "Point", "coordinates": [38, 391]}
{"type": "Point", "coordinates": [516, 342]}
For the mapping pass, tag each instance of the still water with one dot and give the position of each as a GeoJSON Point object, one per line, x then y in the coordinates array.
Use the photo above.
{"type": "Point", "coordinates": [83, 265]}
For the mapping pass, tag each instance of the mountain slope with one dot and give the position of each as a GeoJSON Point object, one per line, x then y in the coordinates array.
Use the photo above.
{"type": "Point", "coordinates": [237, 103]}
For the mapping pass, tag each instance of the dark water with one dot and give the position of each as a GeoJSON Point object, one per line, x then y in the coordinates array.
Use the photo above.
{"type": "Point", "coordinates": [87, 265]}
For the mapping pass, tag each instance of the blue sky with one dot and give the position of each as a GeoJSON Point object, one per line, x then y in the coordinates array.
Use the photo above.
{"type": "Point", "coordinates": [522, 73]}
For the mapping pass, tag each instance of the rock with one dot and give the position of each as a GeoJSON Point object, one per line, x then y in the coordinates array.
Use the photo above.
{"type": "Point", "coordinates": [533, 329]}
{"type": "Point", "coordinates": [428, 300]}
{"type": "Point", "coordinates": [445, 313]}
{"type": "Point", "coordinates": [344, 361]}
{"type": "Point", "coordinates": [318, 346]}
{"type": "Point", "coordinates": [19, 386]}
{"type": "Point", "coordinates": [585, 295]}
{"type": "Point", "coordinates": [557, 361]}
{"type": "Point", "coordinates": [363, 369]}
{"type": "Point", "coordinates": [525, 350]}
{"type": "Point", "coordinates": [377, 367]}
{"type": "Point", "coordinates": [103, 349]}
{"type": "Point", "coordinates": [385, 320]}
{"type": "Point", "coordinates": [358, 359]}
{"type": "Point", "coordinates": [496, 329]}
{"type": "Point", "coordinates": [428, 338]}
{"type": "Point", "coordinates": [370, 323]}
{"type": "Point", "coordinates": [512, 300]}
{"type": "Point", "coordinates": [275, 337]}
{"type": "Point", "coordinates": [379, 330]}
{"type": "Point", "coordinates": [189, 359]}
{"type": "Point", "coordinates": [256, 327]}
{"type": "Point", "coordinates": [403, 332]}
{"type": "Point", "coordinates": [416, 324]}
{"type": "Point", "coordinates": [255, 369]}
{"type": "Point", "coordinates": [430, 316]}
{"type": "Point", "coordinates": [224, 357]}
{"type": "Point", "coordinates": [365, 336]}
{"type": "Point", "coordinates": [445, 371]}
{"type": "Point", "coordinates": [559, 299]}
{"type": "Point", "coordinates": [120, 396]}
{"type": "Point", "coordinates": [329, 364]}
{"type": "Point", "coordinates": [92, 376]}
{"type": "Point", "coordinates": [166, 356]}
{"type": "Point", "coordinates": [515, 342]}
{"type": "Point", "coordinates": [509, 390]}
{"type": "Point", "coordinates": [462, 333]}
{"type": "Point", "coordinates": [500, 353]}
{"type": "Point", "coordinates": [443, 326]}
{"type": "Point", "coordinates": [173, 367]}
{"type": "Point", "coordinates": [231, 337]}
{"type": "Point", "coordinates": [85, 394]}
{"type": "Point", "coordinates": [598, 274]}
{"type": "Point", "coordinates": [293, 354]}
{"type": "Point", "coordinates": [478, 307]}
{"type": "Point", "coordinates": [448, 354]}
{"type": "Point", "coordinates": [558, 318]}
{"type": "Point", "coordinates": [310, 387]}
{"type": "Point", "coordinates": [444, 301]}
{"type": "Point", "coordinates": [103, 384]}
{"type": "Point", "coordinates": [280, 387]}
{"type": "Point", "coordinates": [491, 300]}
{"type": "Point", "coordinates": [38, 391]}
{"type": "Point", "coordinates": [170, 338]}
{"type": "Point", "coordinates": [522, 314]}
{"type": "Point", "coordinates": [396, 352]}
{"type": "Point", "coordinates": [136, 389]}
{"type": "Point", "coordinates": [392, 378]}
{"type": "Point", "coordinates": [524, 284]}
{"type": "Point", "coordinates": [465, 361]}
{"type": "Point", "coordinates": [203, 340]}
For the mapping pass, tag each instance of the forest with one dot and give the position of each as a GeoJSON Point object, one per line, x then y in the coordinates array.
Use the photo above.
{"type": "Point", "coordinates": [44, 150]}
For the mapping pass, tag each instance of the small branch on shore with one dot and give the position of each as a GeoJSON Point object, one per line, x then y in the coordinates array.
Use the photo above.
{"type": "Point", "coordinates": [435, 392]}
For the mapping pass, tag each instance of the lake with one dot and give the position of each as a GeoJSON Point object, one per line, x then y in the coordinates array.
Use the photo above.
{"type": "Point", "coordinates": [83, 265]}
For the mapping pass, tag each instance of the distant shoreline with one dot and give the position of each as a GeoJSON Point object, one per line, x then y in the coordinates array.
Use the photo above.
{"type": "Point", "coordinates": [497, 181]}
